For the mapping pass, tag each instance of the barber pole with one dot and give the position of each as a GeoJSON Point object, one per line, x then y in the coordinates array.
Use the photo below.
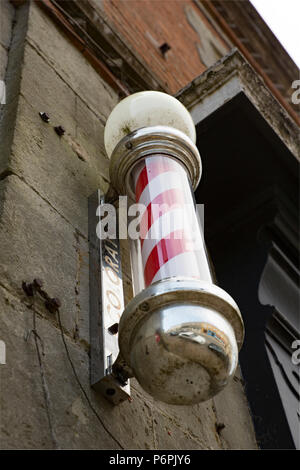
{"type": "Point", "coordinates": [180, 334]}
{"type": "Point", "coordinates": [170, 237]}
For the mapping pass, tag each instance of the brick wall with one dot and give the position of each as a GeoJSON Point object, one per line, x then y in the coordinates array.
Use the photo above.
{"type": "Point", "coordinates": [199, 33]}
{"type": "Point", "coordinates": [147, 24]}
{"type": "Point", "coordinates": [44, 184]}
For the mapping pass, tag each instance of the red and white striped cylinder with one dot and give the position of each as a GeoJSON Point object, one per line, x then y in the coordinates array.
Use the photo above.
{"type": "Point", "coordinates": [170, 242]}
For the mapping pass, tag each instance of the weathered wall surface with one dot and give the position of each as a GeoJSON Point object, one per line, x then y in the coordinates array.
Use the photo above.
{"type": "Point", "coordinates": [44, 184]}
{"type": "Point", "coordinates": [194, 43]}
{"type": "Point", "coordinates": [6, 23]}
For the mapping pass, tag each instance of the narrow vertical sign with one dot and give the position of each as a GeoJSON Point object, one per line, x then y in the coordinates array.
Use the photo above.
{"type": "Point", "coordinates": [106, 306]}
{"type": "Point", "coordinates": [112, 296]}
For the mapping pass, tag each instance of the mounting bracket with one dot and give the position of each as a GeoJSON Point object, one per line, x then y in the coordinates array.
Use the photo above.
{"type": "Point", "coordinates": [107, 373]}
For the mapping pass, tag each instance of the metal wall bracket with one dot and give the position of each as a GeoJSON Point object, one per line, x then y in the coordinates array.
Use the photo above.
{"type": "Point", "coordinates": [106, 306]}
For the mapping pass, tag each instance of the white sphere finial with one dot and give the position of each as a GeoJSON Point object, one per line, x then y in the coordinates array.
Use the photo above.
{"type": "Point", "coordinates": [145, 109]}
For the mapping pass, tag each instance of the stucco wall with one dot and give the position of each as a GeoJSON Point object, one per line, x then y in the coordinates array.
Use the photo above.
{"type": "Point", "coordinates": [45, 182]}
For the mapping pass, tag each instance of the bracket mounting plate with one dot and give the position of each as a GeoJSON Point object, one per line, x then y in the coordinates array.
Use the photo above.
{"type": "Point", "coordinates": [106, 306]}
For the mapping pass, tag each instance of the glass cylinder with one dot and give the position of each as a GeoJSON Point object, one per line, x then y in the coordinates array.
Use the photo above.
{"type": "Point", "coordinates": [169, 241]}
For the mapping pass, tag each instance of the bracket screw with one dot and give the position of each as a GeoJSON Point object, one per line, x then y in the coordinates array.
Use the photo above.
{"type": "Point", "coordinates": [38, 283]}
{"type": "Point", "coordinates": [44, 116]}
{"type": "Point", "coordinates": [28, 289]}
{"type": "Point", "coordinates": [59, 130]}
{"type": "Point", "coordinates": [128, 145]}
{"type": "Point", "coordinates": [56, 302]}
{"type": "Point", "coordinates": [52, 305]}
{"type": "Point", "coordinates": [144, 307]}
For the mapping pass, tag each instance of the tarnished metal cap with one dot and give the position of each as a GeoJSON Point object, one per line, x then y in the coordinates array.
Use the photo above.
{"type": "Point", "coordinates": [181, 338]}
{"type": "Point", "coordinates": [150, 141]}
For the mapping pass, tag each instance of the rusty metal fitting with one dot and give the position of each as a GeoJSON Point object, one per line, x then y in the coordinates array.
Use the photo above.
{"type": "Point", "coordinates": [44, 116]}
{"type": "Point", "coordinates": [59, 130]}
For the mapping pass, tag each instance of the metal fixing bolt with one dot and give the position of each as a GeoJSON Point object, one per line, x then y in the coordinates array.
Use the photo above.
{"type": "Point", "coordinates": [36, 287]}
{"type": "Point", "coordinates": [44, 116]}
{"type": "Point", "coordinates": [59, 130]}
{"type": "Point", "coordinates": [53, 304]}
{"type": "Point", "coordinates": [38, 283]}
{"type": "Point", "coordinates": [28, 289]}
{"type": "Point", "coordinates": [144, 307]}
